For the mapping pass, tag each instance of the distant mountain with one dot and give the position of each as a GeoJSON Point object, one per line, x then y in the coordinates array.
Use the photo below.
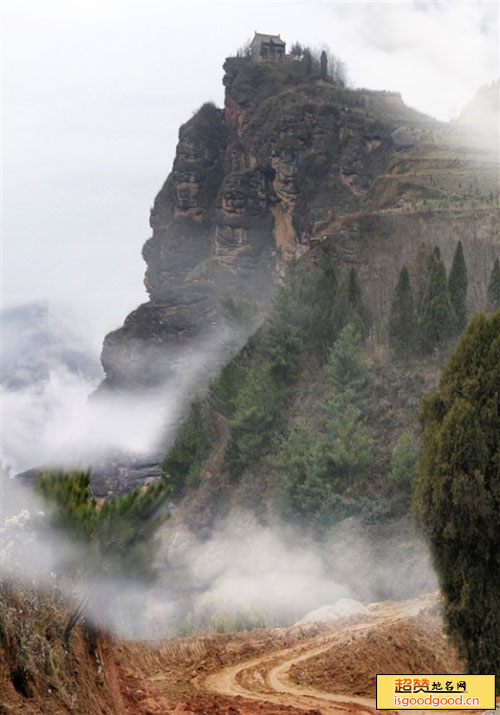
{"type": "Point", "coordinates": [33, 344]}
{"type": "Point", "coordinates": [482, 110]}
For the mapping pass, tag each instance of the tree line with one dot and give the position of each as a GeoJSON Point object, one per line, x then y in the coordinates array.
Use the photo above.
{"type": "Point", "coordinates": [252, 392]}
{"type": "Point", "coordinates": [438, 314]}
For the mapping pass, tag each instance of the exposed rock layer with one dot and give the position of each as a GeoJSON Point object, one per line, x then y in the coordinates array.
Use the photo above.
{"type": "Point", "coordinates": [290, 161]}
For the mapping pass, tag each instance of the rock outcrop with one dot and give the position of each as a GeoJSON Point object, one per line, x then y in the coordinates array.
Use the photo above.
{"type": "Point", "coordinates": [290, 161]}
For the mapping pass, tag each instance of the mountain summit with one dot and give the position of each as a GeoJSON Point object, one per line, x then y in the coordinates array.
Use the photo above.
{"type": "Point", "coordinates": [293, 159]}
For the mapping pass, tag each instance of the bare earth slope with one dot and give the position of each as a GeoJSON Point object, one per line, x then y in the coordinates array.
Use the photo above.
{"type": "Point", "coordinates": [326, 668]}
{"type": "Point", "coordinates": [316, 668]}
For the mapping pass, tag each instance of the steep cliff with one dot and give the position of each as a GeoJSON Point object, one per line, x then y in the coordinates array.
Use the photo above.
{"type": "Point", "coordinates": [289, 161]}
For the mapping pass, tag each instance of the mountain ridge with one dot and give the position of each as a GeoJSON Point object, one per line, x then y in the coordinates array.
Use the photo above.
{"type": "Point", "coordinates": [290, 160]}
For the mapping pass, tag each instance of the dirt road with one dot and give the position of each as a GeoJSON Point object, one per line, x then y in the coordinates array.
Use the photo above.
{"type": "Point", "coordinates": [325, 669]}
{"type": "Point", "coordinates": [267, 678]}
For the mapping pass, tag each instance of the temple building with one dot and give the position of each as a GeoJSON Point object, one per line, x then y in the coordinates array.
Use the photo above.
{"type": "Point", "coordinates": [267, 48]}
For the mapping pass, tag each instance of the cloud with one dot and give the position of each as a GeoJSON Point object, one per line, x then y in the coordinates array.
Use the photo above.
{"type": "Point", "coordinates": [245, 573]}
{"type": "Point", "coordinates": [280, 573]}
{"type": "Point", "coordinates": [94, 96]}
{"type": "Point", "coordinates": [49, 418]}
{"type": "Point", "coordinates": [436, 54]}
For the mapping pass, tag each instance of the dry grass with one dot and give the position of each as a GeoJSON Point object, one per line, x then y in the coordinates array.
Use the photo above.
{"type": "Point", "coordinates": [37, 673]}
{"type": "Point", "coordinates": [31, 626]}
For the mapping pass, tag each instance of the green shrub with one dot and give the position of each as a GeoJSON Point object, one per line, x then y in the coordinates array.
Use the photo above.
{"type": "Point", "coordinates": [234, 621]}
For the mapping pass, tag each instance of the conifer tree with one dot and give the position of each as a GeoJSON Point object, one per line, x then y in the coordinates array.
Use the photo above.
{"type": "Point", "coordinates": [347, 443]}
{"type": "Point", "coordinates": [284, 334]}
{"type": "Point", "coordinates": [324, 64]}
{"type": "Point", "coordinates": [114, 540]}
{"type": "Point", "coordinates": [347, 371]}
{"type": "Point", "coordinates": [351, 309]}
{"type": "Point", "coordinates": [303, 494]}
{"type": "Point", "coordinates": [457, 491]}
{"type": "Point", "coordinates": [402, 319]}
{"type": "Point", "coordinates": [323, 475]}
{"type": "Point", "coordinates": [224, 390]}
{"type": "Point", "coordinates": [318, 298]}
{"type": "Point", "coordinates": [457, 285]}
{"type": "Point", "coordinates": [117, 537]}
{"type": "Point", "coordinates": [494, 287]}
{"type": "Point", "coordinates": [424, 273]}
{"type": "Point", "coordinates": [257, 416]}
{"type": "Point", "coordinates": [437, 318]}
{"type": "Point", "coordinates": [304, 314]}
{"type": "Point", "coordinates": [307, 58]}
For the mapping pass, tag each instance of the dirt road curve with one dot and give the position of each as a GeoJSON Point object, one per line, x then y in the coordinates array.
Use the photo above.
{"type": "Point", "coordinates": [267, 678]}
{"type": "Point", "coordinates": [319, 669]}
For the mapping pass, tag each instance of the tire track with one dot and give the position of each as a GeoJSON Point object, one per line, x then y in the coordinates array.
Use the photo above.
{"type": "Point", "coordinates": [267, 678]}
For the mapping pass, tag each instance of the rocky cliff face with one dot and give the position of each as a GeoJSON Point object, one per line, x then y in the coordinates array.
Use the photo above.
{"type": "Point", "coordinates": [290, 161]}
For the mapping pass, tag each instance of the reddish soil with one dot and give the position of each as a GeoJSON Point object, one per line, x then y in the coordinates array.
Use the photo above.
{"type": "Point", "coordinates": [415, 646]}
{"type": "Point", "coordinates": [320, 669]}
{"type": "Point", "coordinates": [323, 669]}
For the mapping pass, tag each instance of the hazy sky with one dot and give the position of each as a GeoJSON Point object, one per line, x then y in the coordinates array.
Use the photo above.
{"type": "Point", "coordinates": [94, 93]}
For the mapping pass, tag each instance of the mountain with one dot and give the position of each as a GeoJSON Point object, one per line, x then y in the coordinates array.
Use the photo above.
{"type": "Point", "coordinates": [480, 117]}
{"type": "Point", "coordinates": [278, 240]}
{"type": "Point", "coordinates": [292, 160]}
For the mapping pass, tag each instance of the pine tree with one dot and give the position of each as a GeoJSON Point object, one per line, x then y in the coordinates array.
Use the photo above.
{"type": "Point", "coordinates": [115, 540]}
{"type": "Point", "coordinates": [307, 58]}
{"type": "Point", "coordinates": [284, 334]}
{"type": "Point", "coordinates": [347, 443]}
{"type": "Point", "coordinates": [347, 371]}
{"type": "Point", "coordinates": [224, 390]}
{"type": "Point", "coordinates": [257, 418]}
{"type": "Point", "coordinates": [457, 491]}
{"type": "Point", "coordinates": [351, 309]}
{"type": "Point", "coordinates": [402, 319]}
{"type": "Point", "coordinates": [426, 258]}
{"type": "Point", "coordinates": [324, 64]}
{"type": "Point", "coordinates": [117, 537]}
{"type": "Point", "coordinates": [437, 318]}
{"type": "Point", "coordinates": [318, 298]}
{"type": "Point", "coordinates": [322, 476]}
{"type": "Point", "coordinates": [494, 287]}
{"type": "Point", "coordinates": [302, 492]}
{"type": "Point", "coordinates": [457, 285]}
{"type": "Point", "coordinates": [304, 316]}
